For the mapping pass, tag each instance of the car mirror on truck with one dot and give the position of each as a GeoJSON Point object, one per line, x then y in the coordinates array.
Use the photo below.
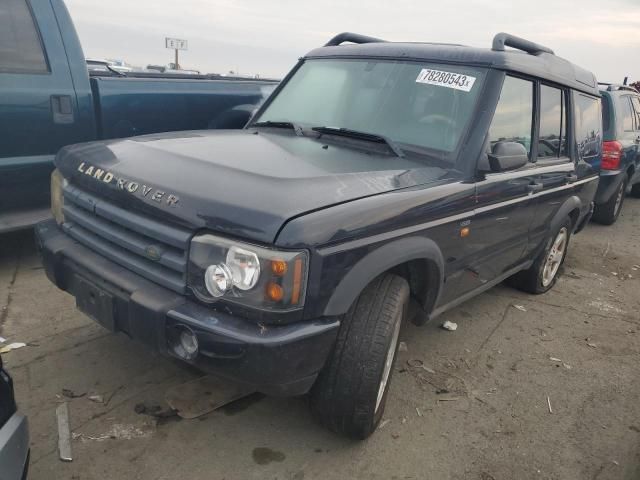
{"type": "Point", "coordinates": [507, 156]}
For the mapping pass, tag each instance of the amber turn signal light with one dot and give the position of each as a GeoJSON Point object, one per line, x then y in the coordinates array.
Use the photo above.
{"type": "Point", "coordinates": [275, 292]}
{"type": "Point", "coordinates": [278, 268]}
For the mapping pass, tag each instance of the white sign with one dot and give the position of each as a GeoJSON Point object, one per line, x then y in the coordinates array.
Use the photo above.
{"type": "Point", "coordinates": [446, 79]}
{"type": "Point", "coordinates": [175, 43]}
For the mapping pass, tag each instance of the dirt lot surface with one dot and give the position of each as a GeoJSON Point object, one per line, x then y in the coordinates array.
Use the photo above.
{"type": "Point", "coordinates": [479, 409]}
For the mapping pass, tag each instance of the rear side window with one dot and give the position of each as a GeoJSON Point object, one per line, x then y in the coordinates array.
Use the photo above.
{"type": "Point", "coordinates": [20, 46]}
{"type": "Point", "coordinates": [553, 123]}
{"type": "Point", "coordinates": [626, 114]}
{"type": "Point", "coordinates": [514, 113]}
{"type": "Point", "coordinates": [636, 107]}
{"type": "Point", "coordinates": [588, 118]}
{"type": "Point", "coordinates": [606, 113]}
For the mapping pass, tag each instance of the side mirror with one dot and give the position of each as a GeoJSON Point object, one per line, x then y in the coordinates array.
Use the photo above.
{"type": "Point", "coordinates": [507, 156]}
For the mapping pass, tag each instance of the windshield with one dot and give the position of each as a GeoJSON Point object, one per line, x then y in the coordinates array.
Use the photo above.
{"type": "Point", "coordinates": [420, 105]}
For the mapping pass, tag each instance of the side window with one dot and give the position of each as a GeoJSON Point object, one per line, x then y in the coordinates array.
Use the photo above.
{"type": "Point", "coordinates": [20, 47]}
{"type": "Point", "coordinates": [636, 107]}
{"type": "Point", "coordinates": [588, 118]}
{"type": "Point", "coordinates": [553, 123]}
{"type": "Point", "coordinates": [514, 114]}
{"type": "Point", "coordinates": [626, 114]}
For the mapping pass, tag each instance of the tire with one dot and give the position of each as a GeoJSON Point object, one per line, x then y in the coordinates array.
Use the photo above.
{"type": "Point", "coordinates": [635, 190]}
{"type": "Point", "coordinates": [349, 395]}
{"type": "Point", "coordinates": [607, 213]}
{"type": "Point", "coordinates": [535, 279]}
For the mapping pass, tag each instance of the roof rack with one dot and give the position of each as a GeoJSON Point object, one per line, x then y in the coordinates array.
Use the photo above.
{"type": "Point", "coordinates": [613, 87]}
{"type": "Point", "coordinates": [353, 38]}
{"type": "Point", "coordinates": [502, 40]}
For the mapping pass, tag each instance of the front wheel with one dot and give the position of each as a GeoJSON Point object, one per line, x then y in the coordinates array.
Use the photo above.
{"type": "Point", "coordinates": [544, 272]}
{"type": "Point", "coordinates": [350, 393]}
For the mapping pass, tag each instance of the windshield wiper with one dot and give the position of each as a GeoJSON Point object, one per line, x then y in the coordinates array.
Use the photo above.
{"type": "Point", "coordinates": [367, 137]}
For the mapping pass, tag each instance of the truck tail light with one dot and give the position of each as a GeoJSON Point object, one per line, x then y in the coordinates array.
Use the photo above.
{"type": "Point", "coordinates": [611, 155]}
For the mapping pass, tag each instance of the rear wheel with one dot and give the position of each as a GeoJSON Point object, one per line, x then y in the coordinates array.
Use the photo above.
{"type": "Point", "coordinates": [607, 213]}
{"type": "Point", "coordinates": [350, 394]}
{"type": "Point", "coordinates": [544, 272]}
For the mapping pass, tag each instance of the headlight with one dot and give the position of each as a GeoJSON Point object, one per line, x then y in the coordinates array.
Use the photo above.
{"type": "Point", "coordinates": [249, 275]}
{"type": "Point", "coordinates": [57, 196]}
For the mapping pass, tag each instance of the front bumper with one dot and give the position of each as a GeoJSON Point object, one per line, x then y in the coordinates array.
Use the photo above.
{"type": "Point", "coordinates": [276, 360]}
{"type": "Point", "coordinates": [14, 448]}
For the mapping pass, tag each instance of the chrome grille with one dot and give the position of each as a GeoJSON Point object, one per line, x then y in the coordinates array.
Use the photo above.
{"type": "Point", "coordinates": [150, 248]}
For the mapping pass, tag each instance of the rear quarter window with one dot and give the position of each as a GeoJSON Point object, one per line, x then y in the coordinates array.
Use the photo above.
{"type": "Point", "coordinates": [626, 113]}
{"type": "Point", "coordinates": [606, 115]}
{"type": "Point", "coordinates": [588, 127]}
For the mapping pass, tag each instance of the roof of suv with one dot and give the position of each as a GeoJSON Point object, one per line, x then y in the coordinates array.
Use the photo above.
{"type": "Point", "coordinates": [540, 62]}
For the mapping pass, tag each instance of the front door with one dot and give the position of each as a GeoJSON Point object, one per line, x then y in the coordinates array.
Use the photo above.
{"type": "Point", "coordinates": [37, 107]}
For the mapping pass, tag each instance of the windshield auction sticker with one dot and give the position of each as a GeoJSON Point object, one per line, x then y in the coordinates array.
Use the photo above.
{"type": "Point", "coordinates": [457, 81]}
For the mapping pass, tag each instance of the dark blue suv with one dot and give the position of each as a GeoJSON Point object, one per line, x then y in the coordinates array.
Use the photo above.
{"type": "Point", "coordinates": [620, 168]}
{"type": "Point", "coordinates": [284, 255]}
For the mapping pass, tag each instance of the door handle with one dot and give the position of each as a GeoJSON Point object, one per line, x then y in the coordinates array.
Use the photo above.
{"type": "Point", "coordinates": [62, 108]}
{"type": "Point", "coordinates": [571, 177]}
{"type": "Point", "coordinates": [535, 187]}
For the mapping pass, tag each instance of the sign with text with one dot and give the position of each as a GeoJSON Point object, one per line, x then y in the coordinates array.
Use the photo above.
{"type": "Point", "coordinates": [175, 43]}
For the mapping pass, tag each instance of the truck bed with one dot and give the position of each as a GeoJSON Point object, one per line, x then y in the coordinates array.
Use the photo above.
{"type": "Point", "coordinates": [127, 106]}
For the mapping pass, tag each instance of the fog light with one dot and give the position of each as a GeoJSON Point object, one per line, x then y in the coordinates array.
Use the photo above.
{"type": "Point", "coordinates": [183, 342]}
{"type": "Point", "coordinates": [218, 279]}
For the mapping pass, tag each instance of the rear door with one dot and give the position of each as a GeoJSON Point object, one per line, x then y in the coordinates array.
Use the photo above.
{"type": "Point", "coordinates": [37, 108]}
{"type": "Point", "coordinates": [554, 167]}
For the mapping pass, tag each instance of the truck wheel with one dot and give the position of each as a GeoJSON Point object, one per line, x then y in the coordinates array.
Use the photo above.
{"type": "Point", "coordinates": [350, 393]}
{"type": "Point", "coordinates": [607, 213]}
{"type": "Point", "coordinates": [635, 190]}
{"type": "Point", "coordinates": [544, 272]}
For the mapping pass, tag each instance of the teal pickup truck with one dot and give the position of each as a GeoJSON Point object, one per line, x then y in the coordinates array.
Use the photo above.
{"type": "Point", "coordinates": [49, 99]}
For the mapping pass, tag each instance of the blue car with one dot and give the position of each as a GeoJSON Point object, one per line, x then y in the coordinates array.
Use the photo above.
{"type": "Point", "coordinates": [14, 433]}
{"type": "Point", "coordinates": [620, 168]}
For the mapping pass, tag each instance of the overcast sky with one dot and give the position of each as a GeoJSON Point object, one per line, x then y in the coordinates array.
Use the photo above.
{"type": "Point", "coordinates": [267, 36]}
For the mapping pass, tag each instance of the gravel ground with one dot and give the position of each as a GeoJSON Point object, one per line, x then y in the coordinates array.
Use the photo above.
{"type": "Point", "coordinates": [478, 408]}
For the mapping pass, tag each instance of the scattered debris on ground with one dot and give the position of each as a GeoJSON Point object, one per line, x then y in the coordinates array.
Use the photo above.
{"type": "Point", "coordinates": [520, 307]}
{"type": "Point", "coordinates": [452, 327]}
{"type": "Point", "coordinates": [12, 346]}
{"type": "Point", "coordinates": [203, 395]}
{"type": "Point", "coordinates": [402, 347]}
{"type": "Point", "coordinates": [64, 432]}
{"type": "Point", "coordinates": [119, 431]}
{"type": "Point", "coordinates": [383, 424]}
{"type": "Point", "coordinates": [66, 392]}
{"type": "Point", "coordinates": [96, 398]}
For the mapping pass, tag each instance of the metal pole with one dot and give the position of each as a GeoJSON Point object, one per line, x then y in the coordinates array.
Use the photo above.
{"type": "Point", "coordinates": [177, 65]}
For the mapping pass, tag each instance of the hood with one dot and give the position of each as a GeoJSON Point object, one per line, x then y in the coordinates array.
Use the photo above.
{"type": "Point", "coordinates": [240, 183]}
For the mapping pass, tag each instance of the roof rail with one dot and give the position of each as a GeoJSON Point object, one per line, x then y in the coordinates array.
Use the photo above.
{"type": "Point", "coordinates": [353, 38]}
{"type": "Point", "coordinates": [502, 40]}
{"type": "Point", "coordinates": [613, 87]}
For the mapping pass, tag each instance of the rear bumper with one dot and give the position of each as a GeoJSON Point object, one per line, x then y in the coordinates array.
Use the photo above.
{"type": "Point", "coordinates": [276, 360]}
{"type": "Point", "coordinates": [14, 448]}
{"type": "Point", "coordinates": [608, 185]}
